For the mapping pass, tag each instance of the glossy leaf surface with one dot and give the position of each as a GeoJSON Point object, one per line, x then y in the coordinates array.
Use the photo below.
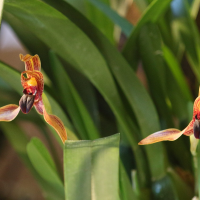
{"type": "Point", "coordinates": [94, 163]}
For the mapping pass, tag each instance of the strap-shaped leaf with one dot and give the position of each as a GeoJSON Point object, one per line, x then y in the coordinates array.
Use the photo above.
{"type": "Point", "coordinates": [124, 24]}
{"type": "Point", "coordinates": [91, 169]}
{"type": "Point", "coordinates": [72, 101]}
{"type": "Point", "coordinates": [45, 166]}
{"type": "Point", "coordinates": [151, 14]}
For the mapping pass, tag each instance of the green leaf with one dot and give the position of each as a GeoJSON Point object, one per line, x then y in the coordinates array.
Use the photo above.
{"type": "Point", "coordinates": [142, 4]}
{"type": "Point", "coordinates": [189, 34]}
{"type": "Point", "coordinates": [152, 14]}
{"type": "Point", "coordinates": [101, 21]}
{"type": "Point", "coordinates": [45, 166]}
{"type": "Point", "coordinates": [72, 101]}
{"type": "Point", "coordinates": [151, 54]}
{"type": "Point", "coordinates": [125, 25]}
{"type": "Point", "coordinates": [16, 137]}
{"type": "Point", "coordinates": [12, 77]}
{"type": "Point", "coordinates": [126, 189]}
{"type": "Point", "coordinates": [175, 68]}
{"type": "Point", "coordinates": [91, 169]}
{"type": "Point", "coordinates": [29, 40]}
{"type": "Point", "coordinates": [78, 4]}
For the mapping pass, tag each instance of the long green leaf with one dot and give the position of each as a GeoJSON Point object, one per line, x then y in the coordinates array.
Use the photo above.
{"type": "Point", "coordinates": [190, 38]}
{"type": "Point", "coordinates": [72, 101]}
{"type": "Point", "coordinates": [154, 66]}
{"type": "Point", "coordinates": [126, 188]}
{"type": "Point", "coordinates": [176, 71]}
{"type": "Point", "coordinates": [44, 165]}
{"type": "Point", "coordinates": [152, 14]}
{"type": "Point", "coordinates": [91, 169]}
{"type": "Point", "coordinates": [125, 25]}
{"type": "Point", "coordinates": [101, 21]}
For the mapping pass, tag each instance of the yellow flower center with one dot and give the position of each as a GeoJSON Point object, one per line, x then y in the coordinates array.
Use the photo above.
{"type": "Point", "coordinates": [32, 82]}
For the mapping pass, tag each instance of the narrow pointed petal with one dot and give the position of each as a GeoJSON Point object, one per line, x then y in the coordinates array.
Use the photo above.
{"type": "Point", "coordinates": [189, 129]}
{"type": "Point", "coordinates": [196, 108]}
{"type": "Point", "coordinates": [9, 112]}
{"type": "Point", "coordinates": [39, 106]}
{"type": "Point", "coordinates": [168, 134]}
{"type": "Point", "coordinates": [57, 124]}
{"type": "Point", "coordinates": [31, 62]}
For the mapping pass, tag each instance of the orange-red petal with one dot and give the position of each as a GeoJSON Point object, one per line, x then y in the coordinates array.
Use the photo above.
{"type": "Point", "coordinates": [39, 79]}
{"type": "Point", "coordinates": [189, 129]}
{"type": "Point", "coordinates": [9, 112]}
{"type": "Point", "coordinates": [196, 108]}
{"type": "Point", "coordinates": [31, 62]}
{"type": "Point", "coordinates": [57, 124]}
{"type": "Point", "coordinates": [168, 134]}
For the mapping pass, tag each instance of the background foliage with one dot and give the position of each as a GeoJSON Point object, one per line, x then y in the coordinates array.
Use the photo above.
{"type": "Point", "coordinates": [93, 86]}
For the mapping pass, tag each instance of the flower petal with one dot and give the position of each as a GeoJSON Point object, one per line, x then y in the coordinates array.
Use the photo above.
{"type": "Point", "coordinates": [39, 79]}
{"type": "Point", "coordinates": [189, 129]}
{"type": "Point", "coordinates": [57, 124]}
{"type": "Point", "coordinates": [196, 108]}
{"type": "Point", "coordinates": [9, 112]}
{"type": "Point", "coordinates": [168, 134]}
{"type": "Point", "coordinates": [39, 106]}
{"type": "Point", "coordinates": [31, 62]}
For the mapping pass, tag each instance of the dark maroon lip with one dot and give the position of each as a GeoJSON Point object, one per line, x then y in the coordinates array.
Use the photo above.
{"type": "Point", "coordinates": [196, 128]}
{"type": "Point", "coordinates": [26, 103]}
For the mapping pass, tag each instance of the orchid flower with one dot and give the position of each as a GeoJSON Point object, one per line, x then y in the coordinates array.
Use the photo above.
{"type": "Point", "coordinates": [33, 84]}
{"type": "Point", "coordinates": [173, 134]}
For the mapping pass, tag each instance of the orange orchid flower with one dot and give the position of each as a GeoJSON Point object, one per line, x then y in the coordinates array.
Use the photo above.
{"type": "Point", "coordinates": [173, 134]}
{"type": "Point", "coordinates": [33, 84]}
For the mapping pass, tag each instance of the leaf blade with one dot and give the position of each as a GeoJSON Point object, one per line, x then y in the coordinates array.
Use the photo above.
{"type": "Point", "coordinates": [90, 159]}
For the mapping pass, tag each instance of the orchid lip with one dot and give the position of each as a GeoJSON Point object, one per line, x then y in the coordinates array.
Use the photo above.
{"type": "Point", "coordinates": [26, 103]}
{"type": "Point", "coordinates": [196, 128]}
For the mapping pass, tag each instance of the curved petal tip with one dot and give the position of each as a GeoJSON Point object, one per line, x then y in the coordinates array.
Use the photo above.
{"type": "Point", "coordinates": [9, 112]}
{"type": "Point", "coordinates": [168, 134]}
{"type": "Point", "coordinates": [31, 62]}
{"type": "Point", "coordinates": [57, 124]}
